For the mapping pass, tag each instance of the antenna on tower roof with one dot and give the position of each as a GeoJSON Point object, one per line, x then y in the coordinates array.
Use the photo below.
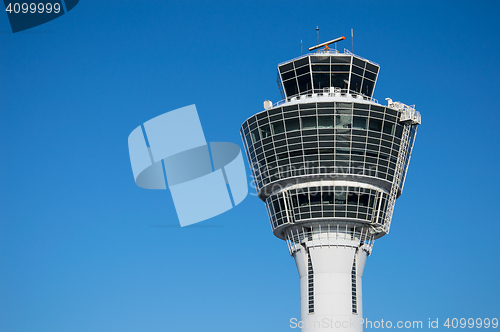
{"type": "Point", "coordinates": [326, 44]}
{"type": "Point", "coordinates": [352, 40]}
{"type": "Point", "coordinates": [317, 33]}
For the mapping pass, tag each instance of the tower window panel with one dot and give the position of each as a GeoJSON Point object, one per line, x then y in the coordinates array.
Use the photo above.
{"type": "Point", "coordinates": [301, 62]}
{"type": "Point", "coordinates": [286, 67]}
{"type": "Point", "coordinates": [287, 75]}
{"type": "Point", "coordinates": [340, 80]}
{"type": "Point", "coordinates": [310, 107]}
{"type": "Point", "coordinates": [325, 121]}
{"type": "Point", "coordinates": [308, 122]}
{"type": "Point", "coordinates": [291, 87]}
{"type": "Point", "coordinates": [321, 68]}
{"type": "Point", "coordinates": [265, 131]}
{"type": "Point", "coordinates": [352, 199]}
{"type": "Point", "coordinates": [343, 105]}
{"type": "Point", "coordinates": [340, 197]}
{"type": "Point", "coordinates": [343, 121]}
{"type": "Point", "coordinates": [339, 213]}
{"type": "Point", "coordinates": [357, 70]}
{"type": "Point", "coordinates": [327, 198]}
{"type": "Point", "coordinates": [372, 68]}
{"type": "Point", "coordinates": [387, 139]}
{"type": "Point", "coordinates": [355, 83]}
{"type": "Point", "coordinates": [302, 70]}
{"type": "Point", "coordinates": [376, 108]}
{"type": "Point", "coordinates": [363, 199]}
{"type": "Point", "coordinates": [358, 62]}
{"type": "Point", "coordinates": [392, 112]}
{"type": "Point", "coordinates": [290, 108]}
{"type": "Point", "coordinates": [320, 59]}
{"type": "Point", "coordinates": [321, 80]}
{"type": "Point", "coordinates": [315, 198]}
{"type": "Point", "coordinates": [255, 136]}
{"type": "Point", "coordinates": [358, 122]}
{"type": "Point", "coordinates": [303, 199]}
{"type": "Point", "coordinates": [292, 124]}
{"type": "Point", "coordinates": [399, 132]}
{"type": "Point", "coordinates": [375, 125]}
{"type": "Point", "coordinates": [276, 205]}
{"type": "Point", "coordinates": [304, 83]}
{"type": "Point", "coordinates": [341, 59]}
{"type": "Point", "coordinates": [344, 68]}
{"type": "Point", "coordinates": [367, 87]}
{"type": "Point", "coordinates": [370, 75]}
{"type": "Point", "coordinates": [360, 112]}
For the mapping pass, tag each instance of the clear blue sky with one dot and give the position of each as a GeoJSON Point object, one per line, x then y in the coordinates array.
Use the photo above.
{"type": "Point", "coordinates": [82, 248]}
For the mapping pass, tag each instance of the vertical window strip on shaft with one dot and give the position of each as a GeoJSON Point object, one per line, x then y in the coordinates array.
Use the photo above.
{"type": "Point", "coordinates": [310, 283]}
{"type": "Point", "coordinates": [353, 282]}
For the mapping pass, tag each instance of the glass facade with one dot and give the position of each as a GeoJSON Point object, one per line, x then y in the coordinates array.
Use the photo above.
{"type": "Point", "coordinates": [325, 139]}
{"type": "Point", "coordinates": [314, 72]}
{"type": "Point", "coordinates": [327, 202]}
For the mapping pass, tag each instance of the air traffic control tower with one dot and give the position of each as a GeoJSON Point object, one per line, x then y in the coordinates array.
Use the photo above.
{"type": "Point", "coordinates": [329, 162]}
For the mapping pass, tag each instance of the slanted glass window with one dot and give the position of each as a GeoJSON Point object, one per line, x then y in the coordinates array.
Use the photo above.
{"type": "Point", "coordinates": [341, 59]}
{"type": "Point", "coordinates": [375, 125]}
{"type": "Point", "coordinates": [309, 122]}
{"type": "Point", "coordinates": [343, 121]}
{"type": "Point", "coordinates": [388, 128]}
{"type": "Point", "coordinates": [355, 83]}
{"type": "Point", "coordinates": [291, 87]}
{"type": "Point", "coordinates": [372, 68]}
{"type": "Point", "coordinates": [304, 83]}
{"type": "Point", "coordinates": [340, 80]}
{"type": "Point", "coordinates": [370, 75]}
{"type": "Point", "coordinates": [255, 136]}
{"type": "Point", "coordinates": [359, 122]}
{"type": "Point", "coordinates": [320, 59]}
{"type": "Point", "coordinates": [286, 67]}
{"type": "Point", "coordinates": [292, 124]}
{"type": "Point", "coordinates": [357, 70]}
{"type": "Point", "coordinates": [276, 206]}
{"type": "Point", "coordinates": [265, 131]}
{"type": "Point", "coordinates": [321, 80]}
{"type": "Point", "coordinates": [344, 68]}
{"type": "Point", "coordinates": [367, 87]}
{"type": "Point", "coordinates": [288, 75]}
{"type": "Point", "coordinates": [325, 121]}
{"type": "Point", "coordinates": [321, 68]}
{"type": "Point", "coordinates": [278, 127]}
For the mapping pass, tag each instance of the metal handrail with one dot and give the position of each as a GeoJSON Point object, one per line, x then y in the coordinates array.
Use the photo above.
{"type": "Point", "coordinates": [332, 51]}
{"type": "Point", "coordinates": [326, 92]}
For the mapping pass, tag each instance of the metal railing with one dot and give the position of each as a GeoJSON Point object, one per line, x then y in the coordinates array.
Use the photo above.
{"type": "Point", "coordinates": [330, 51]}
{"type": "Point", "coordinates": [329, 235]}
{"type": "Point", "coordinates": [327, 92]}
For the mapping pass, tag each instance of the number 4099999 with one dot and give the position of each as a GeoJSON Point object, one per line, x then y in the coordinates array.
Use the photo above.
{"type": "Point", "coordinates": [33, 8]}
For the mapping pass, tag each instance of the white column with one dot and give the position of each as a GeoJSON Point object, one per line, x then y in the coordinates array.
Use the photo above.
{"type": "Point", "coordinates": [332, 283]}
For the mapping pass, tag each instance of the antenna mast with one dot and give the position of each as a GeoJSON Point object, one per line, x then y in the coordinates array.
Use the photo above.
{"type": "Point", "coordinates": [352, 40]}
{"type": "Point", "coordinates": [317, 33]}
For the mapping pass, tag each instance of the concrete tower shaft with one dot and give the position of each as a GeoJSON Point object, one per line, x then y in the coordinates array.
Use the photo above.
{"type": "Point", "coordinates": [329, 162]}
